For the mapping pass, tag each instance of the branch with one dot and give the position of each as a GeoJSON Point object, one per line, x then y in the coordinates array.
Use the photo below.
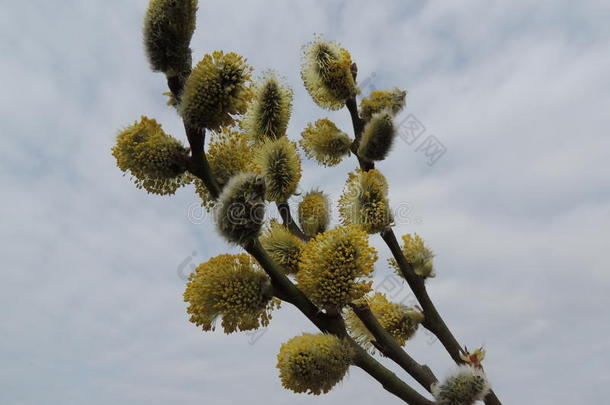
{"type": "Point", "coordinates": [433, 321]}
{"type": "Point", "coordinates": [288, 292]}
{"type": "Point", "coordinates": [388, 379]}
{"type": "Point", "coordinates": [391, 349]}
{"type": "Point", "coordinates": [289, 222]}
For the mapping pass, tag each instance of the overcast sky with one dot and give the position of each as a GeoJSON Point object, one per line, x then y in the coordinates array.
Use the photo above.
{"type": "Point", "coordinates": [517, 209]}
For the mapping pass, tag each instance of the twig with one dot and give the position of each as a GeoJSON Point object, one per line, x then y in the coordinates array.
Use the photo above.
{"type": "Point", "coordinates": [433, 321]}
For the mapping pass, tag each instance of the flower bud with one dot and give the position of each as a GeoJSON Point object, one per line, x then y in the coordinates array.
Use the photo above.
{"type": "Point", "coordinates": [377, 137]}
{"type": "Point", "coordinates": [155, 159]}
{"type": "Point", "coordinates": [269, 111]}
{"type": "Point", "coordinates": [228, 154]}
{"type": "Point", "coordinates": [324, 142]}
{"type": "Point", "coordinates": [281, 166]}
{"type": "Point", "coordinates": [232, 287]}
{"type": "Point", "coordinates": [380, 100]}
{"type": "Point", "coordinates": [334, 266]}
{"type": "Point", "coordinates": [314, 213]}
{"type": "Point", "coordinates": [168, 28]}
{"type": "Point", "coordinates": [217, 89]}
{"type": "Point", "coordinates": [464, 387]}
{"type": "Point", "coordinates": [398, 320]}
{"type": "Point", "coordinates": [241, 208]}
{"type": "Point", "coordinates": [283, 247]}
{"type": "Point", "coordinates": [327, 73]}
{"type": "Point", "coordinates": [364, 201]}
{"type": "Point", "coordinates": [418, 255]}
{"type": "Point", "coordinates": [313, 363]}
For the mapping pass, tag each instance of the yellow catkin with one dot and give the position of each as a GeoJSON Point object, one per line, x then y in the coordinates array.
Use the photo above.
{"type": "Point", "coordinates": [168, 28]}
{"type": "Point", "coordinates": [364, 201]}
{"type": "Point", "coordinates": [325, 143]}
{"type": "Point", "coordinates": [380, 100]}
{"type": "Point", "coordinates": [241, 208]}
{"type": "Point", "coordinates": [465, 386]}
{"type": "Point", "coordinates": [283, 247]}
{"type": "Point", "coordinates": [335, 265]}
{"type": "Point", "coordinates": [418, 255]}
{"type": "Point", "coordinates": [314, 213]}
{"type": "Point", "coordinates": [313, 364]}
{"type": "Point", "coordinates": [156, 161]}
{"type": "Point", "coordinates": [398, 320]}
{"type": "Point", "coordinates": [216, 91]}
{"type": "Point", "coordinates": [231, 287]}
{"type": "Point", "coordinates": [327, 74]}
{"type": "Point", "coordinates": [280, 164]}
{"type": "Point", "coordinates": [269, 111]}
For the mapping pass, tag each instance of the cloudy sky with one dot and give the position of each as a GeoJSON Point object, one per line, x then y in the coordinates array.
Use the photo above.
{"type": "Point", "coordinates": [517, 209]}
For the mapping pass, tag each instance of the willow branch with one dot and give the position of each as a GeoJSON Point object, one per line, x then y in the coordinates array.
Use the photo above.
{"type": "Point", "coordinates": [433, 320]}
{"type": "Point", "coordinates": [289, 222]}
{"type": "Point", "coordinates": [388, 346]}
{"type": "Point", "coordinates": [287, 291]}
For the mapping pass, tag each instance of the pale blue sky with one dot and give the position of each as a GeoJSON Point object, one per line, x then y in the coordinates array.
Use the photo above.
{"type": "Point", "coordinates": [517, 210]}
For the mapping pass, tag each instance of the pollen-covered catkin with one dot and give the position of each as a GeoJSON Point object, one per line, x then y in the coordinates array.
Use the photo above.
{"type": "Point", "coordinates": [465, 386]}
{"type": "Point", "coordinates": [313, 364]}
{"type": "Point", "coordinates": [327, 73]}
{"type": "Point", "coordinates": [335, 267]}
{"type": "Point", "coordinates": [364, 201]}
{"type": "Point", "coordinates": [156, 161]}
{"type": "Point", "coordinates": [231, 287]}
{"type": "Point", "coordinates": [417, 254]}
{"type": "Point", "coordinates": [400, 321]}
{"type": "Point", "coordinates": [325, 143]}
{"type": "Point", "coordinates": [378, 137]}
{"type": "Point", "coordinates": [283, 247]}
{"type": "Point", "coordinates": [216, 91]}
{"type": "Point", "coordinates": [314, 213]}
{"type": "Point", "coordinates": [168, 28]}
{"type": "Point", "coordinates": [269, 110]}
{"type": "Point", "coordinates": [241, 208]}
{"type": "Point", "coordinates": [380, 100]}
{"type": "Point", "coordinates": [280, 164]}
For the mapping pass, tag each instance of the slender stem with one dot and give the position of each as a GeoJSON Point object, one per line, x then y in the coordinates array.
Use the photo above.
{"type": "Point", "coordinates": [330, 323]}
{"type": "Point", "coordinates": [198, 163]}
{"type": "Point", "coordinates": [286, 290]}
{"type": "Point", "coordinates": [388, 379]}
{"type": "Point", "coordinates": [390, 348]}
{"type": "Point", "coordinates": [433, 321]}
{"type": "Point", "coordinates": [288, 221]}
